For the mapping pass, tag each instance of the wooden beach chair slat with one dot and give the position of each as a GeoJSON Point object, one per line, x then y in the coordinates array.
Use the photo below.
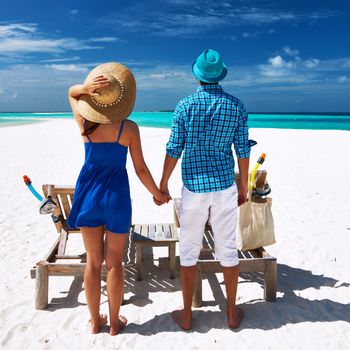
{"type": "Point", "coordinates": [70, 200]}
{"type": "Point", "coordinates": [174, 232]}
{"type": "Point", "coordinates": [167, 231]}
{"type": "Point", "coordinates": [65, 205]}
{"type": "Point", "coordinates": [159, 234]}
{"type": "Point", "coordinates": [152, 231]}
{"type": "Point", "coordinates": [144, 231]}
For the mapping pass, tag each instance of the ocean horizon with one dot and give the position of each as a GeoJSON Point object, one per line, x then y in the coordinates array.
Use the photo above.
{"type": "Point", "coordinates": [279, 120]}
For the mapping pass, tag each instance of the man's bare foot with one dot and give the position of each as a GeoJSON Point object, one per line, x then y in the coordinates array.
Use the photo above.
{"type": "Point", "coordinates": [234, 318]}
{"type": "Point", "coordinates": [122, 322]}
{"type": "Point", "coordinates": [183, 319]}
{"type": "Point", "coordinates": [96, 327]}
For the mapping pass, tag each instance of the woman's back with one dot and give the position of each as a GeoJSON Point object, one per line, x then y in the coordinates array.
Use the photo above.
{"type": "Point", "coordinates": [109, 133]}
{"type": "Point", "coordinates": [104, 146]}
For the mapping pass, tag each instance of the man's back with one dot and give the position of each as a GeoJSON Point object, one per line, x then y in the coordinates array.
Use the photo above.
{"type": "Point", "coordinates": [205, 126]}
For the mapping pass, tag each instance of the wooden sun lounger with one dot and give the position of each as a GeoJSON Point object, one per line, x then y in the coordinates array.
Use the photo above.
{"type": "Point", "coordinates": [257, 260]}
{"type": "Point", "coordinates": [54, 264]}
{"type": "Point", "coordinates": [58, 263]}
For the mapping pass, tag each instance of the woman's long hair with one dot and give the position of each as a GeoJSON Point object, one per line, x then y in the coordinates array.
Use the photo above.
{"type": "Point", "coordinates": [89, 127]}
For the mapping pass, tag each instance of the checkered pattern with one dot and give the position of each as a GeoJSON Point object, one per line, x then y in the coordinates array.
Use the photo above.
{"type": "Point", "coordinates": [204, 126]}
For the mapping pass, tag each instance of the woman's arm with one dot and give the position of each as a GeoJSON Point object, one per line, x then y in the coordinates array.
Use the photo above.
{"type": "Point", "coordinates": [141, 168]}
{"type": "Point", "coordinates": [75, 91]}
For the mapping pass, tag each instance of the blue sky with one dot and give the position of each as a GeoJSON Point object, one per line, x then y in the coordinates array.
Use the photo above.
{"type": "Point", "coordinates": [282, 56]}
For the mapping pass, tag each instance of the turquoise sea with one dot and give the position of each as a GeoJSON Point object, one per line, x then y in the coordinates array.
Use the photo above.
{"type": "Point", "coordinates": [335, 121]}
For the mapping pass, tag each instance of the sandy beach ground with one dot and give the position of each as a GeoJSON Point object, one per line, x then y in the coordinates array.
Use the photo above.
{"type": "Point", "coordinates": [309, 175]}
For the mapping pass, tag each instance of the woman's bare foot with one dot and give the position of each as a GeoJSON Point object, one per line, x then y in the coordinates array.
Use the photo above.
{"type": "Point", "coordinates": [96, 327]}
{"type": "Point", "coordinates": [122, 322]}
{"type": "Point", "coordinates": [183, 319]}
{"type": "Point", "coordinates": [235, 317]}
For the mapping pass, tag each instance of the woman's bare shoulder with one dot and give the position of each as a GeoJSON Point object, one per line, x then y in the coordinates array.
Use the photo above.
{"type": "Point", "coordinates": [132, 126]}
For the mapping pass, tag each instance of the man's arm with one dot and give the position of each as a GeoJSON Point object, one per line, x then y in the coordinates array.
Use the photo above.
{"type": "Point", "coordinates": [242, 149]}
{"type": "Point", "coordinates": [243, 165]}
{"type": "Point", "coordinates": [168, 168]}
{"type": "Point", "coordinates": [174, 147]}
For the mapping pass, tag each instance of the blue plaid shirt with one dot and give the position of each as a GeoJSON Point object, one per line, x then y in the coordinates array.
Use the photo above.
{"type": "Point", "coordinates": [204, 126]}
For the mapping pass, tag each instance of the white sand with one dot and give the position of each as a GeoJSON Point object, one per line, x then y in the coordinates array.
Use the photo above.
{"type": "Point", "coordinates": [309, 175]}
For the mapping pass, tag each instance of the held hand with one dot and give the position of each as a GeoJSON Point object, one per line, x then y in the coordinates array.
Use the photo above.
{"type": "Point", "coordinates": [161, 198]}
{"type": "Point", "coordinates": [242, 194]}
{"type": "Point", "coordinates": [97, 83]}
{"type": "Point", "coordinates": [163, 187]}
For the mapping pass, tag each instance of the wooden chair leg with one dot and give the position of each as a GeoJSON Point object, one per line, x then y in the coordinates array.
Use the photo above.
{"type": "Point", "coordinates": [41, 285]}
{"type": "Point", "coordinates": [63, 242]}
{"type": "Point", "coordinates": [138, 264]}
{"type": "Point", "coordinates": [172, 249]}
{"type": "Point", "coordinates": [197, 295]}
{"type": "Point", "coordinates": [270, 280]}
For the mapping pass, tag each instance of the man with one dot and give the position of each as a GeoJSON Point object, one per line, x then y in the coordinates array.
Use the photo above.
{"type": "Point", "coordinates": [204, 127]}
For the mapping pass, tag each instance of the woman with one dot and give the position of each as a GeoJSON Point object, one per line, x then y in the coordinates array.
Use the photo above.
{"type": "Point", "coordinates": [102, 206]}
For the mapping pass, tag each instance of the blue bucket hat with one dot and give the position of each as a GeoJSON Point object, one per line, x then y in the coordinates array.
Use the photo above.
{"type": "Point", "coordinates": [208, 67]}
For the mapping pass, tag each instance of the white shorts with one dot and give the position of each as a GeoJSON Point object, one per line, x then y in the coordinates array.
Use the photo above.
{"type": "Point", "coordinates": [195, 210]}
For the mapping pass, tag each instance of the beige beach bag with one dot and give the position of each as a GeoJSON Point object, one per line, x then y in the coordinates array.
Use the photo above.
{"type": "Point", "coordinates": [255, 225]}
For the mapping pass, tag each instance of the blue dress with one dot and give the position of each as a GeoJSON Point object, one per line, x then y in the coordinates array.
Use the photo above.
{"type": "Point", "coordinates": [102, 192]}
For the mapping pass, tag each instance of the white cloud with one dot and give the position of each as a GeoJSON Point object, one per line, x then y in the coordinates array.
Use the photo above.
{"type": "Point", "coordinates": [343, 79]}
{"type": "Point", "coordinates": [159, 77]}
{"type": "Point", "coordinates": [8, 95]}
{"type": "Point", "coordinates": [104, 39]}
{"type": "Point", "coordinates": [290, 52]}
{"type": "Point", "coordinates": [312, 63]}
{"type": "Point", "coordinates": [246, 35]}
{"type": "Point", "coordinates": [19, 38]}
{"type": "Point", "coordinates": [276, 61]}
{"type": "Point", "coordinates": [17, 29]}
{"type": "Point", "coordinates": [253, 34]}
{"type": "Point", "coordinates": [277, 66]}
{"type": "Point", "coordinates": [337, 63]}
{"type": "Point", "coordinates": [171, 20]}
{"type": "Point", "coordinates": [281, 68]}
{"type": "Point", "coordinates": [30, 45]}
{"type": "Point", "coordinates": [67, 59]}
{"type": "Point", "coordinates": [68, 67]}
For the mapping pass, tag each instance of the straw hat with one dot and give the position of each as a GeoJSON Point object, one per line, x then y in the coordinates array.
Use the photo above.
{"type": "Point", "coordinates": [116, 101]}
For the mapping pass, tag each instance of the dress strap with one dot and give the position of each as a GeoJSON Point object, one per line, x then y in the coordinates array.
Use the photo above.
{"type": "Point", "coordinates": [120, 130]}
{"type": "Point", "coordinates": [84, 125]}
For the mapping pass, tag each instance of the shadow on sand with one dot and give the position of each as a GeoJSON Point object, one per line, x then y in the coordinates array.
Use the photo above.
{"type": "Point", "coordinates": [290, 308]}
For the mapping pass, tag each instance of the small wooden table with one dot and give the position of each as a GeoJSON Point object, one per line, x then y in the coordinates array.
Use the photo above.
{"type": "Point", "coordinates": [156, 235]}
